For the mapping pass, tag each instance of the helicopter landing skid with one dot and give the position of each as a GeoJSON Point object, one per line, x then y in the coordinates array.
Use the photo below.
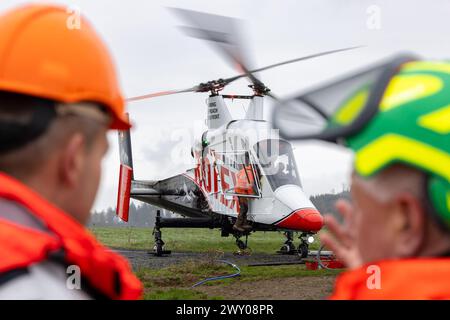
{"type": "Point", "coordinates": [158, 248]}
{"type": "Point", "coordinates": [288, 248]}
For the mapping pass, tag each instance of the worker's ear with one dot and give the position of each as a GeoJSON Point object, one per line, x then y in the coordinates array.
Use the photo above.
{"type": "Point", "coordinates": [73, 159]}
{"type": "Point", "coordinates": [409, 222]}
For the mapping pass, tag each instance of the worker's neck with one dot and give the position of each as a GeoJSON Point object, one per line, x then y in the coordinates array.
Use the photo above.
{"type": "Point", "coordinates": [442, 250]}
{"type": "Point", "coordinates": [48, 188]}
{"type": "Point", "coordinates": [437, 243]}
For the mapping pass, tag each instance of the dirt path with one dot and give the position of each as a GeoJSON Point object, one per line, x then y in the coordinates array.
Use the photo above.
{"type": "Point", "coordinates": [298, 288]}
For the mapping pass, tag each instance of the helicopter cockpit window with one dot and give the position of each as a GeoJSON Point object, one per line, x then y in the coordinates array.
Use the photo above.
{"type": "Point", "coordinates": [238, 174]}
{"type": "Point", "coordinates": [277, 161]}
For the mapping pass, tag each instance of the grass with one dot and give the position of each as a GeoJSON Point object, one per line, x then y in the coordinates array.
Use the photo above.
{"type": "Point", "coordinates": [188, 240]}
{"type": "Point", "coordinates": [177, 294]}
{"type": "Point", "coordinates": [188, 273]}
{"type": "Point", "coordinates": [175, 282]}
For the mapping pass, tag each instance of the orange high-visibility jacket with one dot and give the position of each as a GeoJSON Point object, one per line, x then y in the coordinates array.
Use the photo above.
{"type": "Point", "coordinates": [405, 279]}
{"type": "Point", "coordinates": [245, 181]}
{"type": "Point", "coordinates": [107, 274]}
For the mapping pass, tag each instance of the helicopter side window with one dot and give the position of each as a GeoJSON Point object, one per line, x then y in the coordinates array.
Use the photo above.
{"type": "Point", "coordinates": [278, 163]}
{"type": "Point", "coordinates": [238, 175]}
{"type": "Point", "coordinates": [246, 179]}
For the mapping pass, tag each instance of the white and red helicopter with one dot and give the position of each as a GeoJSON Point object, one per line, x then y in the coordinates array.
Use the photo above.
{"type": "Point", "coordinates": [205, 195]}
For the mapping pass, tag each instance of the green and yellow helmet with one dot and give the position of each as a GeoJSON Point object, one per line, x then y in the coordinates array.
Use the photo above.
{"type": "Point", "coordinates": [396, 112]}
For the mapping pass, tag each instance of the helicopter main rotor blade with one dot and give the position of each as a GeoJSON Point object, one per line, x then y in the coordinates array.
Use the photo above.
{"type": "Point", "coordinates": [248, 74]}
{"type": "Point", "coordinates": [225, 33]}
{"type": "Point", "coordinates": [312, 56]}
{"type": "Point", "coordinates": [161, 94]}
{"type": "Point", "coordinates": [274, 97]}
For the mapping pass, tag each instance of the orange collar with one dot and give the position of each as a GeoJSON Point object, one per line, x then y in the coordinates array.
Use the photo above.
{"type": "Point", "coordinates": [405, 279]}
{"type": "Point", "coordinates": [105, 271]}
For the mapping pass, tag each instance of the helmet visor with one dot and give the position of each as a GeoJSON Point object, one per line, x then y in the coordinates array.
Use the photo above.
{"type": "Point", "coordinates": [337, 109]}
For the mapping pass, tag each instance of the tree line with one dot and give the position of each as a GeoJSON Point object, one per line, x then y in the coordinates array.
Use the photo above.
{"type": "Point", "coordinates": [142, 215]}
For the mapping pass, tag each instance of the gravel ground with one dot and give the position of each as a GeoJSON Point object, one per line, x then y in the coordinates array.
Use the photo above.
{"type": "Point", "coordinates": [141, 258]}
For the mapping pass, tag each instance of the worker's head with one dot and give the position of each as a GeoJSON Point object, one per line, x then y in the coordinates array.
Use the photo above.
{"type": "Point", "coordinates": [58, 97]}
{"type": "Point", "coordinates": [56, 149]}
{"type": "Point", "coordinates": [393, 217]}
{"type": "Point", "coordinates": [400, 184]}
{"type": "Point", "coordinates": [396, 118]}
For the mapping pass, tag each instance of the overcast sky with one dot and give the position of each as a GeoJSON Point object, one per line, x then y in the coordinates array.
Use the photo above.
{"type": "Point", "coordinates": [153, 55]}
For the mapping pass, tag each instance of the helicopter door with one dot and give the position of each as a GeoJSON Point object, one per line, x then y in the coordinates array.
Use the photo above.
{"type": "Point", "coordinates": [238, 175]}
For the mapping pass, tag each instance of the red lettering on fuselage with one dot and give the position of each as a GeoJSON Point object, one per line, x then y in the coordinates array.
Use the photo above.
{"type": "Point", "coordinates": [206, 176]}
{"type": "Point", "coordinates": [225, 186]}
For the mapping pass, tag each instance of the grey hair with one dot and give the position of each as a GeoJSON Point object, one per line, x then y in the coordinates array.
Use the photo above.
{"type": "Point", "coordinates": [397, 178]}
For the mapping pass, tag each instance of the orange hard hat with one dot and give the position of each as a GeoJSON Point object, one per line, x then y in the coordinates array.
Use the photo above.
{"type": "Point", "coordinates": [42, 55]}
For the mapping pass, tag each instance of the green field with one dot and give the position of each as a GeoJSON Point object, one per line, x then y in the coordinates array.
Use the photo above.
{"type": "Point", "coordinates": [188, 240]}
{"type": "Point", "coordinates": [175, 281]}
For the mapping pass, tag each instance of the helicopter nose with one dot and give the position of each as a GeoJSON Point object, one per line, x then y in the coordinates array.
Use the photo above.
{"type": "Point", "coordinates": [307, 219]}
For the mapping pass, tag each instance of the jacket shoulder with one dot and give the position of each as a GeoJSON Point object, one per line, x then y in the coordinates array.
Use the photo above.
{"type": "Point", "coordinates": [34, 246]}
{"type": "Point", "coordinates": [43, 281]}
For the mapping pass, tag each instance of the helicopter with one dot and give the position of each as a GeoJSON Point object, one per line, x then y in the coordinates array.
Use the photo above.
{"type": "Point", "coordinates": [206, 195]}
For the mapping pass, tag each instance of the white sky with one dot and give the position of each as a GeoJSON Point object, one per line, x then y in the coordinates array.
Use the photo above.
{"type": "Point", "coordinates": [152, 55]}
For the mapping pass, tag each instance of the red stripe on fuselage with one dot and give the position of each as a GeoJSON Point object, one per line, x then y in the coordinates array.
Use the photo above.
{"type": "Point", "coordinates": [307, 219]}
